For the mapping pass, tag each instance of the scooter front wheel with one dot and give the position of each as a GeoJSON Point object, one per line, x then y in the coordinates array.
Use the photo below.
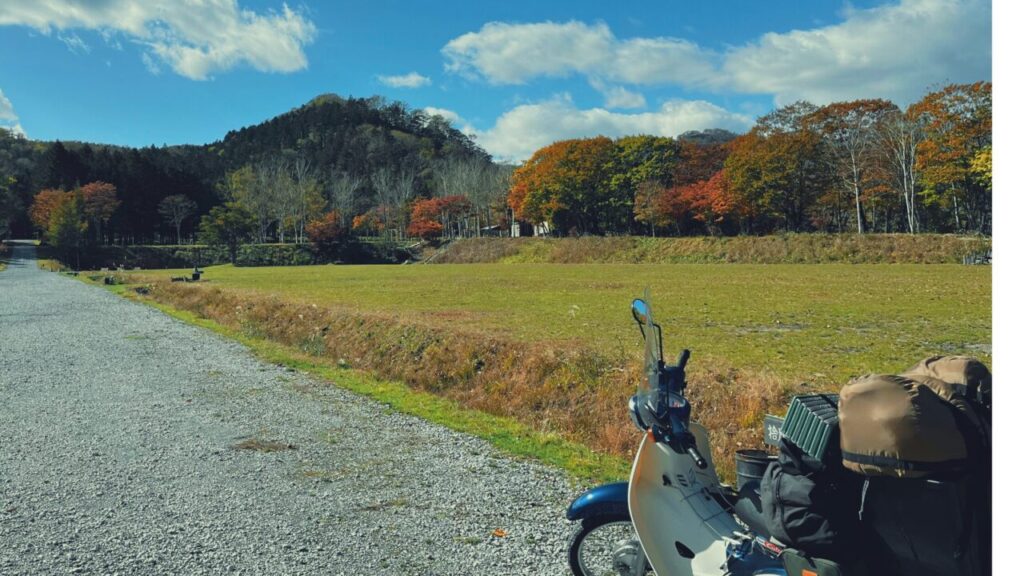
{"type": "Point", "coordinates": [607, 546]}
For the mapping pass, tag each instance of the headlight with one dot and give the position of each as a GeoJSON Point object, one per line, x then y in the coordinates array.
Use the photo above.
{"type": "Point", "coordinates": [634, 414]}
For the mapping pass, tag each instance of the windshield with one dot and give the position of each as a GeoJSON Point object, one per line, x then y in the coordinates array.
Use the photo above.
{"type": "Point", "coordinates": [652, 346]}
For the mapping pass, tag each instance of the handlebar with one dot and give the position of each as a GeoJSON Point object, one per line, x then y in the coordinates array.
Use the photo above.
{"type": "Point", "coordinates": [681, 440]}
{"type": "Point", "coordinates": [697, 458]}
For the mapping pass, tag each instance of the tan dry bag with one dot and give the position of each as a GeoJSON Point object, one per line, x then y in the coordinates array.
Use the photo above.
{"type": "Point", "coordinates": [915, 425]}
{"type": "Point", "coordinates": [970, 377]}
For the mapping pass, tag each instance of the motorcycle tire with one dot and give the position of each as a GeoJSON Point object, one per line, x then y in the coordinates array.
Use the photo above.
{"type": "Point", "coordinates": [616, 525]}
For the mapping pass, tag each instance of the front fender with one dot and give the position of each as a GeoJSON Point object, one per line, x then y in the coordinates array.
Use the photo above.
{"type": "Point", "coordinates": [602, 500]}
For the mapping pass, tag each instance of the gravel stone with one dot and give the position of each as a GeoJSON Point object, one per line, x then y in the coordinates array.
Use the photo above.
{"type": "Point", "coordinates": [133, 443]}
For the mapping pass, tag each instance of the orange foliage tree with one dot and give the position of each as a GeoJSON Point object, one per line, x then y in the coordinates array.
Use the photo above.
{"type": "Point", "coordinates": [43, 206]}
{"type": "Point", "coordinates": [567, 184]}
{"type": "Point", "coordinates": [438, 217]}
{"type": "Point", "coordinates": [779, 170]}
{"type": "Point", "coordinates": [99, 203]}
{"type": "Point", "coordinates": [328, 234]}
{"type": "Point", "coordinates": [850, 131]}
{"type": "Point", "coordinates": [710, 201]}
{"type": "Point", "coordinates": [958, 126]}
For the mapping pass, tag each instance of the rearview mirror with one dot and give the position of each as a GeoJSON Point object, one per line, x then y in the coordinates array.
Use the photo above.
{"type": "Point", "coordinates": [640, 312]}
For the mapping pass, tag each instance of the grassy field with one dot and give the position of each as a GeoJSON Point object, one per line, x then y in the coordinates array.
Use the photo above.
{"type": "Point", "coordinates": [817, 323]}
{"type": "Point", "coordinates": [553, 347]}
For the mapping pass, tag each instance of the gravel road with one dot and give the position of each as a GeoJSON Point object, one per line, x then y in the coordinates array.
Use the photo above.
{"type": "Point", "coordinates": [132, 443]}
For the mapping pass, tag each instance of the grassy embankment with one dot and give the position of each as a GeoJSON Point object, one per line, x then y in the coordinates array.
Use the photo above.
{"type": "Point", "coordinates": [552, 348]}
{"type": "Point", "coordinates": [777, 249]}
{"type": "Point", "coordinates": [5, 253]}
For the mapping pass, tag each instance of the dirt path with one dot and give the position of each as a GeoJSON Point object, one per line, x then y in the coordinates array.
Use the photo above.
{"type": "Point", "coordinates": [132, 443]}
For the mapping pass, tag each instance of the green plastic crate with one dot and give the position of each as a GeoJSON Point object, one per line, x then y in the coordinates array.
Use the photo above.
{"type": "Point", "coordinates": [812, 424]}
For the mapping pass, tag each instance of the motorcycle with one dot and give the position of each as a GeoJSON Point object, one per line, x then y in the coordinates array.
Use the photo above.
{"type": "Point", "coordinates": [675, 516]}
{"type": "Point", "coordinates": [636, 528]}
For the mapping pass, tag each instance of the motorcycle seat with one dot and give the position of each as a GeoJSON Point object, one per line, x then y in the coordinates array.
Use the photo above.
{"type": "Point", "coordinates": [748, 510]}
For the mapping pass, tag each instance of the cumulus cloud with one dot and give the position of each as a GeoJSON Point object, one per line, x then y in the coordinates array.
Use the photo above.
{"type": "Point", "coordinates": [195, 39]}
{"type": "Point", "coordinates": [618, 96]}
{"type": "Point", "coordinates": [8, 119]}
{"type": "Point", "coordinates": [503, 53]}
{"type": "Point", "coordinates": [892, 51]}
{"type": "Point", "coordinates": [410, 80]}
{"type": "Point", "coordinates": [522, 130]}
{"type": "Point", "coordinates": [451, 116]}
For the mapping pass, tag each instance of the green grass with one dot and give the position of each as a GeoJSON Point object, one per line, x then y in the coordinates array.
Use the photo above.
{"type": "Point", "coordinates": [506, 434]}
{"type": "Point", "coordinates": [818, 323]}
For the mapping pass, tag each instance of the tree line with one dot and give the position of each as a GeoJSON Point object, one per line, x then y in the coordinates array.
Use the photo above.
{"type": "Point", "coordinates": [331, 147]}
{"type": "Point", "coordinates": [338, 167]}
{"type": "Point", "coordinates": [859, 166]}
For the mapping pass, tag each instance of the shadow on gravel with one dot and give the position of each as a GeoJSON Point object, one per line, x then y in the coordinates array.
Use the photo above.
{"type": "Point", "coordinates": [260, 445]}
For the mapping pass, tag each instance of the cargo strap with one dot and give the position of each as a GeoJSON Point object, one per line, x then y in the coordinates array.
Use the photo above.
{"type": "Point", "coordinates": [905, 465]}
{"type": "Point", "coordinates": [863, 499]}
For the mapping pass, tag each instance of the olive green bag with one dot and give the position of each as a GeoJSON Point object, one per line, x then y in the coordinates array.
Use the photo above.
{"type": "Point", "coordinates": [920, 424]}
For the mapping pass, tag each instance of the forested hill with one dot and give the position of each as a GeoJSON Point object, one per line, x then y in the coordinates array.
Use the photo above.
{"type": "Point", "coordinates": [357, 135]}
{"type": "Point", "coordinates": [330, 135]}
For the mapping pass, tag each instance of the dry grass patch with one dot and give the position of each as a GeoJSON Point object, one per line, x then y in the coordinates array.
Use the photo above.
{"type": "Point", "coordinates": [775, 249]}
{"type": "Point", "coordinates": [576, 393]}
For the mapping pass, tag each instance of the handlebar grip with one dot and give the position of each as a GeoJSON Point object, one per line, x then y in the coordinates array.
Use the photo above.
{"type": "Point", "coordinates": [697, 458]}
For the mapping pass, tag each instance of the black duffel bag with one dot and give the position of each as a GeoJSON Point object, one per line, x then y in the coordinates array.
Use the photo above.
{"type": "Point", "coordinates": [810, 505]}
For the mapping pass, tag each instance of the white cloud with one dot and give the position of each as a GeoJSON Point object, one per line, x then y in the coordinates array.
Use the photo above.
{"type": "Point", "coordinates": [8, 119]}
{"type": "Point", "coordinates": [514, 53]}
{"type": "Point", "coordinates": [518, 133]}
{"type": "Point", "coordinates": [410, 80]}
{"type": "Point", "coordinates": [619, 97]}
{"type": "Point", "coordinates": [74, 43]}
{"type": "Point", "coordinates": [451, 116]}
{"type": "Point", "coordinates": [893, 51]}
{"type": "Point", "coordinates": [196, 38]}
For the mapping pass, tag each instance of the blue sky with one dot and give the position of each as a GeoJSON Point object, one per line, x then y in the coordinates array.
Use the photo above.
{"type": "Point", "coordinates": [517, 75]}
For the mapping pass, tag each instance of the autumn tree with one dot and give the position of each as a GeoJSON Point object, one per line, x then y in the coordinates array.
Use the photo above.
{"type": "Point", "coordinates": [778, 170]}
{"type": "Point", "coordinates": [228, 225]}
{"type": "Point", "coordinates": [439, 217]}
{"type": "Point", "coordinates": [369, 223]}
{"type": "Point", "coordinates": [483, 183]}
{"type": "Point", "coordinates": [849, 131]}
{"type": "Point", "coordinates": [43, 206]}
{"type": "Point", "coordinates": [648, 205]}
{"type": "Point", "coordinates": [899, 135]}
{"type": "Point", "coordinates": [99, 203]}
{"type": "Point", "coordinates": [328, 234]}
{"type": "Point", "coordinates": [425, 220]}
{"type": "Point", "coordinates": [639, 162]}
{"type": "Point", "coordinates": [710, 201]}
{"type": "Point", "coordinates": [176, 209]}
{"type": "Point", "coordinates": [567, 184]}
{"type": "Point", "coordinates": [957, 123]}
{"type": "Point", "coordinates": [698, 162]}
{"type": "Point", "coordinates": [67, 228]}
